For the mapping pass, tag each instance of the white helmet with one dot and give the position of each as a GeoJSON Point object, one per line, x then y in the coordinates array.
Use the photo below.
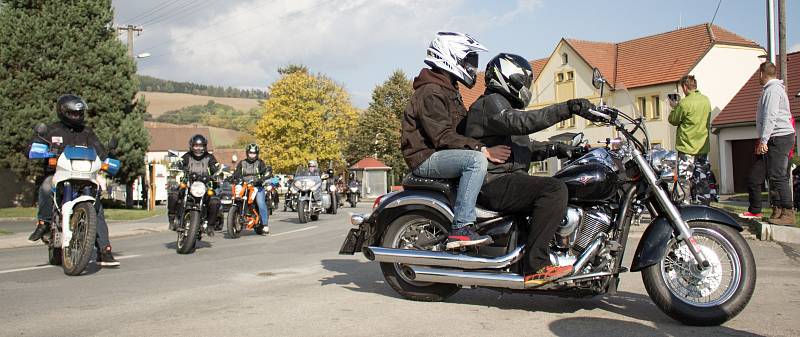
{"type": "Point", "coordinates": [457, 54]}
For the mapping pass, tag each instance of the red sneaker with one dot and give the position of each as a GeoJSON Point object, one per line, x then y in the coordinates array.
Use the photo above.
{"type": "Point", "coordinates": [748, 215]}
{"type": "Point", "coordinates": [546, 275]}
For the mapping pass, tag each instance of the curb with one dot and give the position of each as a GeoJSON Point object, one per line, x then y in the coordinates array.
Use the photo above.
{"type": "Point", "coordinates": [778, 233]}
{"type": "Point", "coordinates": [21, 240]}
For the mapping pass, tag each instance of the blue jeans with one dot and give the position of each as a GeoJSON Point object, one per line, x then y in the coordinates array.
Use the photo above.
{"type": "Point", "coordinates": [261, 202]}
{"type": "Point", "coordinates": [467, 164]}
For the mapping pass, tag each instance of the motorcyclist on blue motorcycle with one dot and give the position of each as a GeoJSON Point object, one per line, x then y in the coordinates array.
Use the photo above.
{"type": "Point", "coordinates": [497, 118]}
{"type": "Point", "coordinates": [71, 130]}
{"type": "Point", "coordinates": [255, 170]}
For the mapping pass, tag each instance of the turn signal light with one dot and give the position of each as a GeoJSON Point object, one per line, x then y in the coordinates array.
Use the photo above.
{"type": "Point", "coordinates": [52, 162]}
{"type": "Point", "coordinates": [183, 185]}
{"type": "Point", "coordinates": [104, 167]}
{"type": "Point", "coordinates": [210, 193]}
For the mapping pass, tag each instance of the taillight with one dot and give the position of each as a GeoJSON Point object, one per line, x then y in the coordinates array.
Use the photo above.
{"type": "Point", "coordinates": [378, 201]}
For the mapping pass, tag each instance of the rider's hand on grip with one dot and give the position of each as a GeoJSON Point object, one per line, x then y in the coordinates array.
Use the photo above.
{"type": "Point", "coordinates": [582, 107]}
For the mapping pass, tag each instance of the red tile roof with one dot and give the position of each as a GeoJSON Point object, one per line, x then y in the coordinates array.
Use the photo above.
{"type": "Point", "coordinates": [369, 163]}
{"type": "Point", "coordinates": [741, 110]}
{"type": "Point", "coordinates": [602, 55]}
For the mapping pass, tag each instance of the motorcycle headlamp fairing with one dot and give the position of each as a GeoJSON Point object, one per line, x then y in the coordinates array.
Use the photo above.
{"type": "Point", "coordinates": [198, 189]}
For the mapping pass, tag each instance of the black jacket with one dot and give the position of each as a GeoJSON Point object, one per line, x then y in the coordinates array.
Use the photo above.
{"type": "Point", "coordinates": [433, 119]}
{"type": "Point", "coordinates": [60, 135]}
{"type": "Point", "coordinates": [205, 165]}
{"type": "Point", "coordinates": [492, 121]}
{"type": "Point", "coordinates": [264, 171]}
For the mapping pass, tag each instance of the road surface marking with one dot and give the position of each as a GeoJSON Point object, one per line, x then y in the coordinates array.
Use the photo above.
{"type": "Point", "coordinates": [295, 231]}
{"type": "Point", "coordinates": [49, 266]}
{"type": "Point", "coordinates": [127, 257]}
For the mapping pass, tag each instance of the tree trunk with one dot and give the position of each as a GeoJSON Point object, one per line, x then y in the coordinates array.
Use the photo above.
{"type": "Point", "coordinates": [129, 195]}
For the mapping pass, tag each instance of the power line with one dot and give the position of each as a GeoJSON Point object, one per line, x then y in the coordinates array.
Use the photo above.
{"type": "Point", "coordinates": [176, 10]}
{"type": "Point", "coordinates": [250, 10]}
{"type": "Point", "coordinates": [150, 11]}
{"type": "Point", "coordinates": [288, 15]}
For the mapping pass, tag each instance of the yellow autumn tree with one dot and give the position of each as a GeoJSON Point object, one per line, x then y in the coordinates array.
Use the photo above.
{"type": "Point", "coordinates": [306, 117]}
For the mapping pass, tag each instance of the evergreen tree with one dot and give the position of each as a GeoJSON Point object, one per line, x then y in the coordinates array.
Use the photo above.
{"type": "Point", "coordinates": [49, 48]}
{"type": "Point", "coordinates": [378, 130]}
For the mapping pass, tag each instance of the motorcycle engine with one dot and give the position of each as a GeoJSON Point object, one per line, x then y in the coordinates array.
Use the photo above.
{"type": "Point", "coordinates": [580, 226]}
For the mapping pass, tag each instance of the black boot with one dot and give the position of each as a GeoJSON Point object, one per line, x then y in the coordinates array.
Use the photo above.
{"type": "Point", "coordinates": [38, 233]}
{"type": "Point", "coordinates": [105, 258]}
{"type": "Point", "coordinates": [171, 222]}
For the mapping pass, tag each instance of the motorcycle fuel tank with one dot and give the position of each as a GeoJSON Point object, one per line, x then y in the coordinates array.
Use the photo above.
{"type": "Point", "coordinates": [590, 182]}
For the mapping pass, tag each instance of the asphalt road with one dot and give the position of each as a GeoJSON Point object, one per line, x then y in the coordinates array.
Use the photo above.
{"type": "Point", "coordinates": [292, 282]}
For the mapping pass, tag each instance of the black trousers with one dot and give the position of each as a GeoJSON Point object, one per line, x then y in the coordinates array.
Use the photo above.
{"type": "Point", "coordinates": [755, 183]}
{"type": "Point", "coordinates": [174, 203]}
{"type": "Point", "coordinates": [544, 198]}
{"type": "Point", "coordinates": [775, 167]}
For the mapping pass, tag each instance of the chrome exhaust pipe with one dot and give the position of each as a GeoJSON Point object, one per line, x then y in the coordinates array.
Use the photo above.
{"type": "Point", "coordinates": [441, 259]}
{"type": "Point", "coordinates": [466, 278]}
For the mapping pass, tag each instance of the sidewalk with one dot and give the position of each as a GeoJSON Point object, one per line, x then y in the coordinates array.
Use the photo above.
{"type": "Point", "coordinates": [762, 229]}
{"type": "Point", "coordinates": [116, 229]}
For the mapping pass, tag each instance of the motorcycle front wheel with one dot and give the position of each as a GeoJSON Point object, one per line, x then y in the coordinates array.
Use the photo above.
{"type": "Point", "coordinates": [703, 297]}
{"type": "Point", "coordinates": [188, 236]}
{"type": "Point", "coordinates": [83, 224]}
{"type": "Point", "coordinates": [404, 232]}
{"type": "Point", "coordinates": [301, 211]}
{"type": "Point", "coordinates": [234, 222]}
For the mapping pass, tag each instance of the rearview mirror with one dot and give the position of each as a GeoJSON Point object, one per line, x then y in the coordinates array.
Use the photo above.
{"type": "Point", "coordinates": [173, 153]}
{"type": "Point", "coordinates": [40, 129]}
{"type": "Point", "coordinates": [577, 139]}
{"type": "Point", "coordinates": [597, 79]}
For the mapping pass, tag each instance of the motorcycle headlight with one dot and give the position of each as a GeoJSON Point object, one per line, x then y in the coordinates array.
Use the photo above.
{"type": "Point", "coordinates": [198, 189]}
{"type": "Point", "coordinates": [332, 188]}
{"type": "Point", "coordinates": [353, 189]}
{"type": "Point", "coordinates": [81, 165]}
{"type": "Point", "coordinates": [269, 187]}
{"type": "Point", "coordinates": [298, 184]}
{"type": "Point", "coordinates": [293, 189]}
{"type": "Point", "coordinates": [664, 163]}
{"type": "Point", "coordinates": [238, 190]}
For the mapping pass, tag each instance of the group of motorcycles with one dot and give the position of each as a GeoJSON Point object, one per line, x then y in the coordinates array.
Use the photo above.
{"type": "Point", "coordinates": [310, 194]}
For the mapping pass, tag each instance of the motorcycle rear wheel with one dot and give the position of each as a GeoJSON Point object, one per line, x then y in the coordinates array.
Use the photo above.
{"type": "Point", "coordinates": [698, 298]}
{"type": "Point", "coordinates": [188, 237]}
{"type": "Point", "coordinates": [84, 224]}
{"type": "Point", "coordinates": [54, 256]}
{"type": "Point", "coordinates": [234, 222]}
{"type": "Point", "coordinates": [393, 272]}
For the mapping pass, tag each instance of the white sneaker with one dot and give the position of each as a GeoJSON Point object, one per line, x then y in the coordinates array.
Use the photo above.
{"type": "Point", "coordinates": [266, 229]}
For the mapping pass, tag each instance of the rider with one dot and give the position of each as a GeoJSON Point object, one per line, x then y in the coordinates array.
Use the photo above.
{"type": "Point", "coordinates": [312, 167]}
{"type": "Point", "coordinates": [496, 118]}
{"type": "Point", "coordinates": [200, 162]}
{"type": "Point", "coordinates": [255, 170]}
{"type": "Point", "coordinates": [431, 144]}
{"type": "Point", "coordinates": [71, 130]}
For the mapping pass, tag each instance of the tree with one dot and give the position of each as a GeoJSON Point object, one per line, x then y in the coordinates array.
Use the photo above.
{"type": "Point", "coordinates": [49, 48]}
{"type": "Point", "coordinates": [378, 130]}
{"type": "Point", "coordinates": [306, 117]}
{"type": "Point", "coordinates": [293, 68]}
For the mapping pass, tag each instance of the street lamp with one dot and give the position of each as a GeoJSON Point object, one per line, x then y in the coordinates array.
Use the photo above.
{"type": "Point", "coordinates": [143, 55]}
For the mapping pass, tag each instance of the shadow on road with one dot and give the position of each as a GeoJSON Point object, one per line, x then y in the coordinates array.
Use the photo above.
{"type": "Point", "coordinates": [366, 277]}
{"type": "Point", "coordinates": [593, 326]}
{"type": "Point", "coordinates": [197, 245]}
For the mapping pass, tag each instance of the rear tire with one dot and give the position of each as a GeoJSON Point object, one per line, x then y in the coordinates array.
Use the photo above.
{"type": "Point", "coordinates": [301, 211]}
{"type": "Point", "coordinates": [188, 238]}
{"type": "Point", "coordinates": [314, 217]}
{"type": "Point", "coordinates": [234, 222]}
{"type": "Point", "coordinates": [54, 256]}
{"type": "Point", "coordinates": [84, 225]}
{"type": "Point", "coordinates": [430, 292]}
{"type": "Point", "coordinates": [678, 308]}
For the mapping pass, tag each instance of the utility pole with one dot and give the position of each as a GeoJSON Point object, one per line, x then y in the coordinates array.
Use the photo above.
{"type": "Point", "coordinates": [130, 29]}
{"type": "Point", "coordinates": [782, 40]}
{"type": "Point", "coordinates": [771, 31]}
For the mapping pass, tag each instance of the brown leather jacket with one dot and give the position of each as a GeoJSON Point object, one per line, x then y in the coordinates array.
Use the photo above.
{"type": "Point", "coordinates": [434, 119]}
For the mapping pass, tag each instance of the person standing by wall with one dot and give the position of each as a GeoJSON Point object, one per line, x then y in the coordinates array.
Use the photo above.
{"type": "Point", "coordinates": [692, 116]}
{"type": "Point", "coordinates": [775, 142]}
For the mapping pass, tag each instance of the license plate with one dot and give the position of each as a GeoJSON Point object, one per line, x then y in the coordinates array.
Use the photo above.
{"type": "Point", "coordinates": [352, 243]}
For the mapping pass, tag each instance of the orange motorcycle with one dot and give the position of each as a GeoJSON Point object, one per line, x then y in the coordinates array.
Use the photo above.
{"type": "Point", "coordinates": [244, 210]}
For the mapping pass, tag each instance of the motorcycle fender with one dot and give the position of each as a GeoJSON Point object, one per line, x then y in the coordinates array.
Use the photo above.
{"type": "Point", "coordinates": [653, 244]}
{"type": "Point", "coordinates": [396, 204]}
{"type": "Point", "coordinates": [66, 215]}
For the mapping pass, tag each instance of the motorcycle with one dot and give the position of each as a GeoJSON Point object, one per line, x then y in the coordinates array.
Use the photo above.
{"type": "Point", "coordinates": [273, 197]}
{"type": "Point", "coordinates": [311, 198]}
{"type": "Point", "coordinates": [332, 191]}
{"type": "Point", "coordinates": [695, 265]}
{"type": "Point", "coordinates": [290, 198]}
{"type": "Point", "coordinates": [243, 212]}
{"type": "Point", "coordinates": [353, 192]}
{"type": "Point", "coordinates": [197, 190]}
{"type": "Point", "coordinates": [71, 236]}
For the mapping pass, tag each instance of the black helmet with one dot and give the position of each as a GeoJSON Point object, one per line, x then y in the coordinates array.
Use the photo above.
{"type": "Point", "coordinates": [71, 110]}
{"type": "Point", "coordinates": [198, 140]}
{"type": "Point", "coordinates": [511, 76]}
{"type": "Point", "coordinates": [250, 148]}
{"type": "Point", "coordinates": [351, 176]}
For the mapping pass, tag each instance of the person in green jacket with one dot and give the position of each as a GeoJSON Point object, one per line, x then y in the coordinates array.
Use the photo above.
{"type": "Point", "coordinates": [692, 116]}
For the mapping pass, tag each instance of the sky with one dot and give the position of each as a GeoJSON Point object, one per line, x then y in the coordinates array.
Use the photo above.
{"type": "Point", "coordinates": [359, 43]}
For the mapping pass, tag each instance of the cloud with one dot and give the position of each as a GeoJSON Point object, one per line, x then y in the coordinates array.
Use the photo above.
{"type": "Point", "coordinates": [794, 48]}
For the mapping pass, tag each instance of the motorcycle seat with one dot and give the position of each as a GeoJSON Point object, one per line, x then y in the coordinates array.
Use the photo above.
{"type": "Point", "coordinates": [444, 186]}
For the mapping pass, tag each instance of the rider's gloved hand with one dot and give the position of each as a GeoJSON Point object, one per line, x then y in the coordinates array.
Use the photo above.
{"type": "Point", "coordinates": [566, 151]}
{"type": "Point", "coordinates": [581, 106]}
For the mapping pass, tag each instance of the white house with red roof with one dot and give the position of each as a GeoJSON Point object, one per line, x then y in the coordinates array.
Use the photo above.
{"type": "Point", "coordinates": [736, 131]}
{"type": "Point", "coordinates": [640, 73]}
{"type": "Point", "coordinates": [373, 175]}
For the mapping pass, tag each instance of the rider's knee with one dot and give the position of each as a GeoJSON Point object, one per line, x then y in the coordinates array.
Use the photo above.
{"type": "Point", "coordinates": [478, 161]}
{"type": "Point", "coordinates": [47, 185]}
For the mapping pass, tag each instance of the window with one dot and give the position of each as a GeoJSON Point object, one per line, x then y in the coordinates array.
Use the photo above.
{"type": "Point", "coordinates": [564, 58]}
{"type": "Point", "coordinates": [656, 144]}
{"type": "Point", "coordinates": [570, 76]}
{"type": "Point", "coordinates": [561, 77]}
{"type": "Point", "coordinates": [642, 105]}
{"type": "Point", "coordinates": [656, 107]}
{"type": "Point", "coordinates": [539, 166]}
{"type": "Point", "coordinates": [567, 123]}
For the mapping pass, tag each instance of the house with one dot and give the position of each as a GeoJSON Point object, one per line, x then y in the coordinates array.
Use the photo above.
{"type": "Point", "coordinates": [373, 176]}
{"type": "Point", "coordinates": [735, 127]}
{"type": "Point", "coordinates": [640, 74]}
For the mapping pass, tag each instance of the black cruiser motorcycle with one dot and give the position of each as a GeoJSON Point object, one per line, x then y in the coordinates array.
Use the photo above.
{"type": "Point", "coordinates": [695, 265]}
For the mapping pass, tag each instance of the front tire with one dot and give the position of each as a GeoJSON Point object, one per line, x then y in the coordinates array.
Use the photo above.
{"type": "Point", "coordinates": [188, 237]}
{"type": "Point", "coordinates": [301, 211]}
{"type": "Point", "coordinates": [334, 204]}
{"type": "Point", "coordinates": [83, 224]}
{"type": "Point", "coordinates": [700, 299]}
{"type": "Point", "coordinates": [234, 222]}
{"type": "Point", "coordinates": [393, 272]}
